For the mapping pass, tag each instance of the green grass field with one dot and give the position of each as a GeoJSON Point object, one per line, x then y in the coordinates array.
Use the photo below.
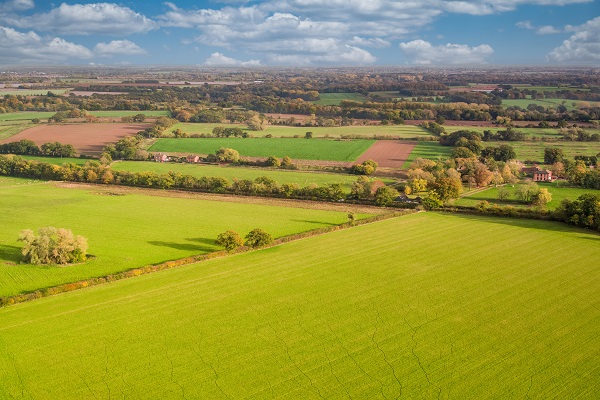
{"type": "Point", "coordinates": [26, 115]}
{"type": "Point", "coordinates": [58, 160]}
{"type": "Point", "coordinates": [558, 194]}
{"type": "Point", "coordinates": [32, 92]}
{"type": "Point", "coordinates": [156, 228]}
{"type": "Point", "coordinates": [400, 131]}
{"type": "Point", "coordinates": [119, 113]}
{"type": "Point", "coordinates": [534, 151]}
{"type": "Point", "coordinates": [300, 149]}
{"type": "Point", "coordinates": [11, 128]}
{"type": "Point", "coordinates": [553, 103]}
{"type": "Point", "coordinates": [280, 176]}
{"type": "Point", "coordinates": [334, 99]}
{"type": "Point", "coordinates": [539, 132]}
{"type": "Point", "coordinates": [423, 306]}
{"type": "Point", "coordinates": [428, 150]}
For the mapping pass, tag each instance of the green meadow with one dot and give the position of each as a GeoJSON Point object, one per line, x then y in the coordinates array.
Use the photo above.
{"type": "Point", "coordinates": [534, 151]}
{"type": "Point", "coordinates": [400, 131]}
{"type": "Point", "coordinates": [301, 149]}
{"type": "Point", "coordinates": [558, 191]}
{"type": "Point", "coordinates": [11, 128]}
{"type": "Point", "coordinates": [128, 231]}
{"type": "Point", "coordinates": [26, 115]}
{"type": "Point", "coordinates": [428, 150]}
{"type": "Point", "coordinates": [334, 99]}
{"type": "Point", "coordinates": [32, 92]}
{"type": "Point", "coordinates": [118, 113]}
{"type": "Point", "coordinates": [230, 173]}
{"type": "Point", "coordinates": [57, 160]}
{"type": "Point", "coordinates": [422, 306]}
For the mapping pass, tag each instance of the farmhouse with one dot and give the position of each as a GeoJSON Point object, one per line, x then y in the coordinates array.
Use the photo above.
{"type": "Point", "coordinates": [193, 158]}
{"type": "Point", "coordinates": [538, 174]}
{"type": "Point", "coordinates": [160, 157]}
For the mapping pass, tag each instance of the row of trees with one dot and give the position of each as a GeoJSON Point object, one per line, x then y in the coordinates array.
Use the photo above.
{"type": "Point", "coordinates": [28, 147]}
{"type": "Point", "coordinates": [256, 238]}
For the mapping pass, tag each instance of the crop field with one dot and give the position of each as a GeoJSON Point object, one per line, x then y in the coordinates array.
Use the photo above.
{"type": "Point", "coordinates": [299, 149]}
{"type": "Point", "coordinates": [368, 131]}
{"type": "Point", "coordinates": [280, 176]}
{"type": "Point", "coordinates": [558, 194]}
{"type": "Point", "coordinates": [334, 99]}
{"type": "Point", "coordinates": [423, 306]}
{"type": "Point", "coordinates": [158, 228]}
{"type": "Point", "coordinates": [428, 150]}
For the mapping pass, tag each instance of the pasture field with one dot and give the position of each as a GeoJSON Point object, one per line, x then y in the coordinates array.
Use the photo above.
{"type": "Point", "coordinates": [558, 194]}
{"type": "Point", "coordinates": [32, 92]}
{"type": "Point", "coordinates": [428, 150]}
{"type": "Point", "coordinates": [11, 128]}
{"type": "Point", "coordinates": [553, 103]}
{"type": "Point", "coordinates": [158, 228]}
{"type": "Point", "coordinates": [534, 151]}
{"type": "Point", "coordinates": [550, 88]}
{"type": "Point", "coordinates": [299, 149]}
{"type": "Point", "coordinates": [280, 176]}
{"type": "Point", "coordinates": [400, 131]}
{"type": "Point", "coordinates": [58, 160]}
{"type": "Point", "coordinates": [334, 99]}
{"type": "Point", "coordinates": [422, 306]}
{"type": "Point", "coordinates": [119, 113]}
{"type": "Point", "coordinates": [26, 115]}
{"type": "Point", "coordinates": [539, 132]}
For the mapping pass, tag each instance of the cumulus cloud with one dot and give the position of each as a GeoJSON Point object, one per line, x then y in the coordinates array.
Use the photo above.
{"type": "Point", "coordinates": [547, 30]}
{"type": "Point", "coordinates": [118, 47]}
{"type": "Point", "coordinates": [29, 48]}
{"type": "Point", "coordinates": [369, 42]}
{"type": "Point", "coordinates": [85, 19]}
{"type": "Point", "coordinates": [218, 59]}
{"type": "Point", "coordinates": [582, 46]}
{"type": "Point", "coordinates": [525, 25]}
{"type": "Point", "coordinates": [424, 53]}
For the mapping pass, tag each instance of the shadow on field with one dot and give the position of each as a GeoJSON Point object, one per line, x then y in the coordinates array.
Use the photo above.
{"type": "Point", "coordinates": [186, 246]}
{"type": "Point", "coordinates": [205, 241]}
{"type": "Point", "coordinates": [10, 253]}
{"type": "Point", "coordinates": [528, 223]}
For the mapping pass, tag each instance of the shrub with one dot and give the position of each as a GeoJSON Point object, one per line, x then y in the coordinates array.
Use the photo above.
{"type": "Point", "coordinates": [53, 246]}
{"type": "Point", "coordinates": [258, 238]}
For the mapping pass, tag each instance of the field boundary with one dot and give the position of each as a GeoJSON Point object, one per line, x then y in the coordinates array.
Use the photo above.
{"type": "Point", "coordinates": [148, 269]}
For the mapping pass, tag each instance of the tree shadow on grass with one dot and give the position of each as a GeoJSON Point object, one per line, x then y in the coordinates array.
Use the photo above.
{"type": "Point", "coordinates": [10, 254]}
{"type": "Point", "coordinates": [321, 223]}
{"type": "Point", "coordinates": [205, 241]}
{"type": "Point", "coordinates": [543, 225]}
{"type": "Point", "coordinates": [195, 248]}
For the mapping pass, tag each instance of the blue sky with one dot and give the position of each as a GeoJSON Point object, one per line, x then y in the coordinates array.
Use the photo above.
{"type": "Point", "coordinates": [301, 32]}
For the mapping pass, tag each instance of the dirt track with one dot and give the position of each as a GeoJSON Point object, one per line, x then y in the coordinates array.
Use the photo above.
{"type": "Point", "coordinates": [86, 138]}
{"type": "Point", "coordinates": [388, 153]}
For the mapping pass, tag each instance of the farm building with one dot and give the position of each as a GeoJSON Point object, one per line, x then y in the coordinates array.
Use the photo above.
{"type": "Point", "coordinates": [160, 157]}
{"type": "Point", "coordinates": [192, 158]}
{"type": "Point", "coordinates": [538, 174]}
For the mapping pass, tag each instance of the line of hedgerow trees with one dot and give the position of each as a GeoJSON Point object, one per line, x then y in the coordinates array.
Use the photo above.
{"type": "Point", "coordinates": [364, 190]}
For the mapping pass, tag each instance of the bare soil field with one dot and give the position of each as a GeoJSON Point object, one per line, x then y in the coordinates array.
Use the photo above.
{"type": "Point", "coordinates": [86, 138]}
{"type": "Point", "coordinates": [388, 153]}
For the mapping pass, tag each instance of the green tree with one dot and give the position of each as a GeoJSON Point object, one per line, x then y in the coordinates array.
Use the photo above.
{"type": "Point", "coordinates": [227, 155]}
{"type": "Point", "coordinates": [385, 195]}
{"type": "Point", "coordinates": [230, 240]}
{"type": "Point", "coordinates": [446, 188]}
{"type": "Point", "coordinates": [553, 155]}
{"type": "Point", "coordinates": [53, 246]}
{"type": "Point", "coordinates": [308, 135]}
{"type": "Point", "coordinates": [542, 197]}
{"type": "Point", "coordinates": [273, 161]}
{"type": "Point", "coordinates": [258, 238]}
{"type": "Point", "coordinates": [503, 193]}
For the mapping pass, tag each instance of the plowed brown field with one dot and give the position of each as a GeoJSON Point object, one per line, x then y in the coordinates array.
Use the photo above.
{"type": "Point", "coordinates": [388, 153]}
{"type": "Point", "coordinates": [86, 138]}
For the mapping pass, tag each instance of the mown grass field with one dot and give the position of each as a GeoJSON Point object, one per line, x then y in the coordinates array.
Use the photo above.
{"type": "Point", "coordinates": [26, 115]}
{"type": "Point", "coordinates": [423, 306]}
{"type": "Point", "coordinates": [280, 176]}
{"type": "Point", "coordinates": [299, 149]}
{"type": "Point", "coordinates": [558, 191]}
{"type": "Point", "coordinates": [534, 151]}
{"type": "Point", "coordinates": [527, 131]}
{"type": "Point", "coordinates": [11, 128]}
{"type": "Point", "coordinates": [429, 150]}
{"type": "Point", "coordinates": [334, 99]}
{"type": "Point", "coordinates": [400, 131]}
{"type": "Point", "coordinates": [156, 228]}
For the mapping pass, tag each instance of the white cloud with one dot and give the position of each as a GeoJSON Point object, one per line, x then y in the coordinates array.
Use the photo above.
{"type": "Point", "coordinates": [85, 19]}
{"type": "Point", "coordinates": [30, 48]}
{"type": "Point", "coordinates": [218, 59]}
{"type": "Point", "coordinates": [17, 5]}
{"type": "Point", "coordinates": [369, 42]}
{"type": "Point", "coordinates": [525, 25]}
{"type": "Point", "coordinates": [547, 30]}
{"type": "Point", "coordinates": [118, 47]}
{"type": "Point", "coordinates": [424, 53]}
{"type": "Point", "coordinates": [582, 46]}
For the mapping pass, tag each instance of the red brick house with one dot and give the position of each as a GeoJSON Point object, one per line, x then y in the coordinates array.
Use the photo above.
{"type": "Point", "coordinates": [542, 175]}
{"type": "Point", "coordinates": [160, 157]}
{"type": "Point", "coordinates": [192, 158]}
